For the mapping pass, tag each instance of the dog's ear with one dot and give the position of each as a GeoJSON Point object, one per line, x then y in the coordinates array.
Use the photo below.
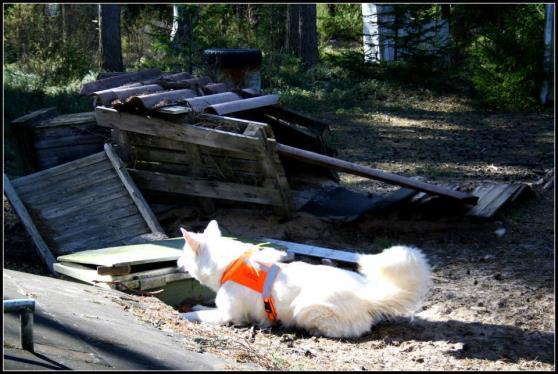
{"type": "Point", "coordinates": [189, 239]}
{"type": "Point", "coordinates": [212, 230]}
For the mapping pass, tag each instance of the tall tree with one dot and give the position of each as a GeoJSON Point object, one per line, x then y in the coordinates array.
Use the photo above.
{"type": "Point", "coordinates": [308, 35]}
{"type": "Point", "coordinates": [109, 37]}
{"type": "Point", "coordinates": [292, 41]}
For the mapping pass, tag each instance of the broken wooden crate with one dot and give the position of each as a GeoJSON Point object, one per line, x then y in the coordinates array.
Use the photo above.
{"type": "Point", "coordinates": [46, 139]}
{"type": "Point", "coordinates": [173, 157]}
{"type": "Point", "coordinates": [87, 203]}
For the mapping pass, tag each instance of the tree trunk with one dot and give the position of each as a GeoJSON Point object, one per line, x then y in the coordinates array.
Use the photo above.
{"type": "Point", "coordinates": [109, 37]}
{"type": "Point", "coordinates": [292, 41]}
{"type": "Point", "coordinates": [331, 10]}
{"type": "Point", "coordinates": [308, 35]}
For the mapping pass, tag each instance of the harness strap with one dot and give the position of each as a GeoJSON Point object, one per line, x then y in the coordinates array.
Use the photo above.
{"type": "Point", "coordinates": [259, 277]}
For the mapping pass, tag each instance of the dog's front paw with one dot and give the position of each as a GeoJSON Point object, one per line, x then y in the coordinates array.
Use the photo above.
{"type": "Point", "coordinates": [192, 317]}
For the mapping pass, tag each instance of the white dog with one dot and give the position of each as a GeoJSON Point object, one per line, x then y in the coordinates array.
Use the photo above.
{"type": "Point", "coordinates": [324, 300]}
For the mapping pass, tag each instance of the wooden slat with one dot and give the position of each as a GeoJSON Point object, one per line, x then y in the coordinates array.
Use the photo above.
{"type": "Point", "coordinates": [36, 116]}
{"type": "Point", "coordinates": [87, 220]}
{"type": "Point", "coordinates": [74, 119]}
{"type": "Point", "coordinates": [71, 140]}
{"type": "Point", "coordinates": [48, 183]}
{"type": "Point", "coordinates": [191, 134]}
{"type": "Point", "coordinates": [75, 204]}
{"type": "Point", "coordinates": [274, 171]}
{"type": "Point", "coordinates": [234, 164]}
{"type": "Point", "coordinates": [96, 243]}
{"type": "Point", "coordinates": [69, 154]}
{"type": "Point", "coordinates": [65, 191]}
{"type": "Point", "coordinates": [61, 169]}
{"type": "Point", "coordinates": [142, 205]}
{"type": "Point", "coordinates": [42, 248]}
{"type": "Point", "coordinates": [50, 133]}
{"type": "Point", "coordinates": [199, 187]}
{"type": "Point", "coordinates": [94, 212]}
{"type": "Point", "coordinates": [160, 155]}
{"type": "Point", "coordinates": [99, 231]}
{"type": "Point", "coordinates": [167, 167]}
{"type": "Point", "coordinates": [492, 199]}
{"type": "Point", "coordinates": [233, 156]}
{"type": "Point", "coordinates": [168, 144]}
{"type": "Point", "coordinates": [315, 251]}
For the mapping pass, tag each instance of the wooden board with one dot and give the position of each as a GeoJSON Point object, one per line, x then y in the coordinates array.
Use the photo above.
{"type": "Point", "coordinates": [154, 181]}
{"type": "Point", "coordinates": [493, 197]}
{"type": "Point", "coordinates": [42, 249]}
{"type": "Point", "coordinates": [174, 131]}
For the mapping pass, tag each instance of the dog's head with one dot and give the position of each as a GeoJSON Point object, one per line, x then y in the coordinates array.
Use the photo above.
{"type": "Point", "coordinates": [196, 256]}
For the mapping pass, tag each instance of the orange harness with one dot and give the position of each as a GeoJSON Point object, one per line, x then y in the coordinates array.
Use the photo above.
{"type": "Point", "coordinates": [258, 277]}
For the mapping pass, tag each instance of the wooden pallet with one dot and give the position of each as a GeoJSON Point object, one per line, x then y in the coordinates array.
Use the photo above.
{"type": "Point", "coordinates": [84, 204]}
{"type": "Point", "coordinates": [174, 157]}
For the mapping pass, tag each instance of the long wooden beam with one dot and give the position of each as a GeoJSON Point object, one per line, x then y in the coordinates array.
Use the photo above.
{"type": "Point", "coordinates": [363, 171]}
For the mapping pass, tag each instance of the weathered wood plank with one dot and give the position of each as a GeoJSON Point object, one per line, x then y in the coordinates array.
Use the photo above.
{"type": "Point", "coordinates": [42, 248]}
{"type": "Point", "coordinates": [166, 167]}
{"type": "Point", "coordinates": [45, 184]}
{"type": "Point", "coordinates": [68, 141]}
{"type": "Point", "coordinates": [36, 116]}
{"type": "Point", "coordinates": [61, 169]}
{"type": "Point", "coordinates": [191, 134]}
{"type": "Point", "coordinates": [199, 187]}
{"type": "Point", "coordinates": [49, 133]}
{"type": "Point", "coordinates": [76, 204]}
{"type": "Point", "coordinates": [174, 145]}
{"type": "Point", "coordinates": [74, 119]}
{"type": "Point", "coordinates": [96, 242]}
{"type": "Point", "coordinates": [142, 205]}
{"type": "Point", "coordinates": [492, 198]}
{"type": "Point", "coordinates": [160, 155]}
{"type": "Point", "coordinates": [99, 231]}
{"type": "Point", "coordinates": [62, 192]}
{"type": "Point", "coordinates": [69, 151]}
{"type": "Point", "coordinates": [275, 174]}
{"type": "Point", "coordinates": [94, 212]}
{"type": "Point", "coordinates": [231, 155]}
{"type": "Point", "coordinates": [315, 251]}
{"type": "Point", "coordinates": [241, 123]}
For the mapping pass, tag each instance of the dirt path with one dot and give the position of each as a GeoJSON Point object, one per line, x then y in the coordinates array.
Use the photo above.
{"type": "Point", "coordinates": [492, 304]}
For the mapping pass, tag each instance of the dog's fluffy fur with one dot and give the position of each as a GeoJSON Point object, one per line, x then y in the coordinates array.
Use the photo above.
{"type": "Point", "coordinates": [323, 300]}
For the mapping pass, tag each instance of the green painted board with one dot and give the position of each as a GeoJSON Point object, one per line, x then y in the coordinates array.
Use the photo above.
{"type": "Point", "coordinates": [156, 251]}
{"type": "Point", "coordinates": [136, 254]}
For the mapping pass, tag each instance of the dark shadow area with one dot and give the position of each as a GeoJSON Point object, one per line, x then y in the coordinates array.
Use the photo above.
{"type": "Point", "coordinates": [479, 340]}
{"type": "Point", "coordinates": [53, 365]}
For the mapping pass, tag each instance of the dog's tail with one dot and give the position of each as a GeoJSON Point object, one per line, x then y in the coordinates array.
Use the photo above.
{"type": "Point", "coordinates": [398, 280]}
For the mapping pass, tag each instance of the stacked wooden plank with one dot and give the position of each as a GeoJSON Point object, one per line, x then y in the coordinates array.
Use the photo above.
{"type": "Point", "coordinates": [87, 203]}
{"type": "Point", "coordinates": [46, 139]}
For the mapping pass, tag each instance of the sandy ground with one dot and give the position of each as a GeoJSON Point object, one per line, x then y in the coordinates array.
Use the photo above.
{"type": "Point", "coordinates": [492, 306]}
